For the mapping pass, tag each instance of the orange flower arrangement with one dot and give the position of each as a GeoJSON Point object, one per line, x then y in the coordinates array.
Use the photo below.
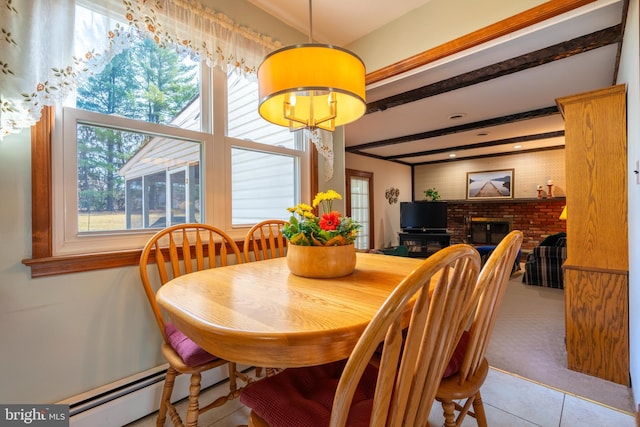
{"type": "Point", "coordinates": [330, 229]}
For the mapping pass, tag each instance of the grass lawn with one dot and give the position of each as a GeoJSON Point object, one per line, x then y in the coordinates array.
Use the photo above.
{"type": "Point", "coordinates": [110, 221]}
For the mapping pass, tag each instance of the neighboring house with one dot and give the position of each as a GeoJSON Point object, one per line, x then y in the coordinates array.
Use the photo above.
{"type": "Point", "coordinates": [162, 179]}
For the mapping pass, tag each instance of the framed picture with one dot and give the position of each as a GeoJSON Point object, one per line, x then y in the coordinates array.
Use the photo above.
{"type": "Point", "coordinates": [496, 184]}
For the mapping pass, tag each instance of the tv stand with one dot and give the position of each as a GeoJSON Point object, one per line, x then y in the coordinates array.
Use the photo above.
{"type": "Point", "coordinates": [422, 244]}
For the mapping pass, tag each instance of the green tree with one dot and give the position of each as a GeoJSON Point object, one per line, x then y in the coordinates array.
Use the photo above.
{"type": "Point", "coordinates": [144, 82]}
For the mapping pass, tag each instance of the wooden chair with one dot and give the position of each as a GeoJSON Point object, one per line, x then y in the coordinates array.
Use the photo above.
{"type": "Point", "coordinates": [465, 384]}
{"type": "Point", "coordinates": [265, 241]}
{"type": "Point", "coordinates": [178, 250]}
{"type": "Point", "coordinates": [402, 390]}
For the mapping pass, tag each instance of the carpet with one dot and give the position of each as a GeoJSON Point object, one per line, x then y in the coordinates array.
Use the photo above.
{"type": "Point", "coordinates": [528, 340]}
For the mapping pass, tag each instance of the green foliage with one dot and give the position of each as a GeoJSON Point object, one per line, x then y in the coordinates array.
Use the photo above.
{"type": "Point", "coordinates": [330, 229]}
{"type": "Point", "coordinates": [144, 82]}
{"type": "Point", "coordinates": [431, 194]}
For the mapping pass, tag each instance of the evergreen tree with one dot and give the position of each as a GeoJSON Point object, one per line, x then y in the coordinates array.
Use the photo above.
{"type": "Point", "coordinates": [144, 82]}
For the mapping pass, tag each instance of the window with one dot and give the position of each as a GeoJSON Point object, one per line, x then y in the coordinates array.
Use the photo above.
{"type": "Point", "coordinates": [266, 159]}
{"type": "Point", "coordinates": [157, 138]}
{"type": "Point", "coordinates": [360, 205]}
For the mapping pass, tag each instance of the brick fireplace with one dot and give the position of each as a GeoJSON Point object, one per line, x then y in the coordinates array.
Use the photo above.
{"type": "Point", "coordinates": [487, 231]}
{"type": "Point", "coordinates": [536, 218]}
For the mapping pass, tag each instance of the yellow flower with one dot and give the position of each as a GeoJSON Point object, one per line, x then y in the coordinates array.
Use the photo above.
{"type": "Point", "coordinates": [330, 229]}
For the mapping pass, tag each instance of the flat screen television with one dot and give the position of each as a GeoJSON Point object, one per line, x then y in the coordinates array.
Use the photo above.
{"type": "Point", "coordinates": [427, 217]}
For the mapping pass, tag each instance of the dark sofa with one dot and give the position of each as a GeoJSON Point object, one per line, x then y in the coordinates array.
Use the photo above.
{"type": "Point", "coordinates": [544, 265]}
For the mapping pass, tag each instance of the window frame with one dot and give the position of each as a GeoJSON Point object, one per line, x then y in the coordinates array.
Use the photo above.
{"type": "Point", "coordinates": [67, 240]}
{"type": "Point", "coordinates": [42, 262]}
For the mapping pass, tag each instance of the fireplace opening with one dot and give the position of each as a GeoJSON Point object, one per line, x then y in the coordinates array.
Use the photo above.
{"type": "Point", "coordinates": [488, 231]}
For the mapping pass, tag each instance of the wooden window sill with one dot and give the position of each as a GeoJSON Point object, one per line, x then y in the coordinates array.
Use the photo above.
{"type": "Point", "coordinates": [51, 266]}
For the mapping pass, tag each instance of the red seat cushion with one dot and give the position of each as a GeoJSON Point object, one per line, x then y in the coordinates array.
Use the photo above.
{"type": "Point", "coordinates": [303, 397]}
{"type": "Point", "coordinates": [455, 363]}
{"type": "Point", "coordinates": [191, 353]}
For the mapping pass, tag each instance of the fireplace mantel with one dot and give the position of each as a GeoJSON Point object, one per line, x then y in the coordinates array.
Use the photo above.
{"type": "Point", "coordinates": [536, 218]}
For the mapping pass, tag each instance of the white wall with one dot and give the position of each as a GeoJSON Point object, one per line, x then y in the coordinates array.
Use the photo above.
{"type": "Point", "coordinates": [630, 74]}
{"type": "Point", "coordinates": [529, 171]}
{"type": "Point", "coordinates": [68, 334]}
{"type": "Point", "coordinates": [386, 222]}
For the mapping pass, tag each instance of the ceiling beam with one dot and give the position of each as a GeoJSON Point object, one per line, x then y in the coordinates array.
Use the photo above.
{"type": "Point", "coordinates": [486, 156]}
{"type": "Point", "coordinates": [517, 22]}
{"type": "Point", "coordinates": [536, 58]}
{"type": "Point", "coordinates": [512, 118]}
{"type": "Point", "coordinates": [498, 142]}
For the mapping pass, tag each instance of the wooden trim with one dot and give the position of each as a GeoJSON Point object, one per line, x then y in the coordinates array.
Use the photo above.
{"type": "Point", "coordinates": [41, 186]}
{"type": "Point", "coordinates": [54, 265]}
{"type": "Point", "coordinates": [514, 23]}
{"type": "Point", "coordinates": [348, 173]}
{"type": "Point", "coordinates": [568, 265]}
{"type": "Point", "coordinates": [313, 170]}
{"type": "Point", "coordinates": [549, 54]}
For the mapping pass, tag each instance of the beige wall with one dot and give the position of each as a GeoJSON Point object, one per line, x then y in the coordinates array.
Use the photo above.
{"type": "Point", "coordinates": [385, 175]}
{"type": "Point", "coordinates": [529, 171]}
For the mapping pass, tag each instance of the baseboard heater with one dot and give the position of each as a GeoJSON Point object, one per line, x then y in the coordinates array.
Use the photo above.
{"type": "Point", "coordinates": [131, 398]}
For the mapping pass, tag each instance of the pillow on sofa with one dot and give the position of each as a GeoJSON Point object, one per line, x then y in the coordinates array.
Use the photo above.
{"type": "Point", "coordinates": [553, 239]}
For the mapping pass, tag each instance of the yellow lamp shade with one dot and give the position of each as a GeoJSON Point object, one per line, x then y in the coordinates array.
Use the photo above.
{"type": "Point", "coordinates": [311, 85]}
{"type": "Point", "coordinates": [563, 215]}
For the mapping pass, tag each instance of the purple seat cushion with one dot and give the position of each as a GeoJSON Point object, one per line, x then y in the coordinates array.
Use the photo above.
{"type": "Point", "coordinates": [455, 363]}
{"type": "Point", "coordinates": [303, 397]}
{"type": "Point", "coordinates": [191, 353]}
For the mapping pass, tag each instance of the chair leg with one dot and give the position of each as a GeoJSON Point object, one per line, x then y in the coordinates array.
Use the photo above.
{"type": "Point", "coordinates": [165, 400]}
{"type": "Point", "coordinates": [193, 407]}
{"type": "Point", "coordinates": [448, 410]}
{"type": "Point", "coordinates": [233, 378]}
{"type": "Point", "coordinates": [478, 409]}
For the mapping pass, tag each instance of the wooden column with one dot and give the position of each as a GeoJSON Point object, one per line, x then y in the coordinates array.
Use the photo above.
{"type": "Point", "coordinates": [597, 265]}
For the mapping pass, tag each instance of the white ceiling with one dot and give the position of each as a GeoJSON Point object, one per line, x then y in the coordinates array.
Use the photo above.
{"type": "Point", "coordinates": [341, 28]}
{"type": "Point", "coordinates": [520, 92]}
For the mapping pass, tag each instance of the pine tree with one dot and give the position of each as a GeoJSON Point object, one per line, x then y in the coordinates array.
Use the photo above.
{"type": "Point", "coordinates": [144, 82]}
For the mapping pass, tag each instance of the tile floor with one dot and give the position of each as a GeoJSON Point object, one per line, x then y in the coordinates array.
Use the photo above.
{"type": "Point", "coordinates": [509, 401]}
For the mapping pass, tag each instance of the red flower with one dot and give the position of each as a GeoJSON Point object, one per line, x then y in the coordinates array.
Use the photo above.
{"type": "Point", "coordinates": [329, 221]}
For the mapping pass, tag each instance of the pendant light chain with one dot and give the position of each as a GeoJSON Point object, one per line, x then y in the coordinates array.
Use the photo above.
{"type": "Point", "coordinates": [311, 85]}
{"type": "Point", "coordinates": [310, 24]}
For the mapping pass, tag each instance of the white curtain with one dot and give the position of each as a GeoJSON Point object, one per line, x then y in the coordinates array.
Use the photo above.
{"type": "Point", "coordinates": [40, 64]}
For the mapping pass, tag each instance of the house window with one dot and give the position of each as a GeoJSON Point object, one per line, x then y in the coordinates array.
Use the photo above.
{"type": "Point", "coordinates": [266, 159]}
{"type": "Point", "coordinates": [126, 188]}
{"type": "Point", "coordinates": [158, 138]}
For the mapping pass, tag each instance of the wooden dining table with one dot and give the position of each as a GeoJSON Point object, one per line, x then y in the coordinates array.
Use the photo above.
{"type": "Point", "coordinates": [260, 314]}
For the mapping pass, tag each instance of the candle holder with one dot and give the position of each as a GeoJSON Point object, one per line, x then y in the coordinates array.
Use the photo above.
{"type": "Point", "coordinates": [550, 194]}
{"type": "Point", "coordinates": [539, 189]}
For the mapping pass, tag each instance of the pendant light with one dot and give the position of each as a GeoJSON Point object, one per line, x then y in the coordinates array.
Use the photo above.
{"type": "Point", "coordinates": [311, 86]}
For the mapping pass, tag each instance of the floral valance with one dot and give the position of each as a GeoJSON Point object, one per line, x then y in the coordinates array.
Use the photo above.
{"type": "Point", "coordinates": [42, 62]}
